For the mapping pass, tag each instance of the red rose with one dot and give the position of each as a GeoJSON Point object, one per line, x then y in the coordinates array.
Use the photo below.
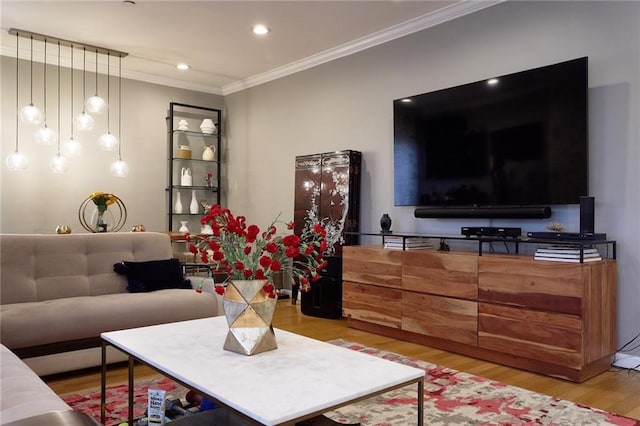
{"type": "Point", "coordinates": [271, 248]}
{"type": "Point", "coordinates": [265, 261]}
{"type": "Point", "coordinates": [291, 225]}
{"type": "Point", "coordinates": [309, 250]}
{"type": "Point", "coordinates": [291, 240]}
{"type": "Point", "coordinates": [275, 266]}
{"type": "Point", "coordinates": [238, 265]}
{"type": "Point", "coordinates": [268, 288]}
{"type": "Point", "coordinates": [323, 246]}
{"type": "Point", "coordinates": [218, 256]}
{"type": "Point", "coordinates": [247, 273]}
{"type": "Point", "coordinates": [193, 249]}
{"type": "Point", "coordinates": [260, 275]}
{"type": "Point", "coordinates": [247, 250]}
{"type": "Point", "coordinates": [252, 233]}
{"type": "Point", "coordinates": [292, 252]}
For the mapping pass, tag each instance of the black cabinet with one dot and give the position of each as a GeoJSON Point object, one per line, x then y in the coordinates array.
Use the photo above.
{"type": "Point", "coordinates": [327, 189]}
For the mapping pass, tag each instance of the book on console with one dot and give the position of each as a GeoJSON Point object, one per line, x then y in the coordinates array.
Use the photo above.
{"type": "Point", "coordinates": [559, 259]}
{"type": "Point", "coordinates": [567, 251]}
{"type": "Point", "coordinates": [569, 255]}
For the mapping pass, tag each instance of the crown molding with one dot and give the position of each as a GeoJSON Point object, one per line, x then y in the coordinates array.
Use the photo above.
{"type": "Point", "coordinates": [457, 10]}
{"type": "Point", "coordinates": [419, 23]}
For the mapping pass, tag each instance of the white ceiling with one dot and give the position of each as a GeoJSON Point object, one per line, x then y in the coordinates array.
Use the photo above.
{"type": "Point", "coordinates": [214, 37]}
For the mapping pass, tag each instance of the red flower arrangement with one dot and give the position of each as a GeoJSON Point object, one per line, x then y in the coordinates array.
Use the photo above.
{"type": "Point", "coordinates": [244, 252]}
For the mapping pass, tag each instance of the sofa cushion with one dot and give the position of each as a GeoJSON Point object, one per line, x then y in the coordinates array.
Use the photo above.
{"type": "Point", "coordinates": [152, 275]}
{"type": "Point", "coordinates": [23, 394]}
{"type": "Point", "coordinates": [23, 325]}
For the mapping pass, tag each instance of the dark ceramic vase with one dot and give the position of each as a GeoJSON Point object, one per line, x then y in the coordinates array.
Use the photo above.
{"type": "Point", "coordinates": [385, 224]}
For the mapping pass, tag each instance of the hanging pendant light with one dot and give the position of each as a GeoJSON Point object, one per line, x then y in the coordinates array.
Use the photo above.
{"type": "Point", "coordinates": [45, 135]}
{"type": "Point", "coordinates": [17, 161]}
{"type": "Point", "coordinates": [30, 114]}
{"type": "Point", "coordinates": [95, 104]}
{"type": "Point", "coordinates": [84, 121]}
{"type": "Point", "coordinates": [59, 163]}
{"type": "Point", "coordinates": [72, 147]}
{"type": "Point", "coordinates": [107, 141]}
{"type": "Point", "coordinates": [119, 168]}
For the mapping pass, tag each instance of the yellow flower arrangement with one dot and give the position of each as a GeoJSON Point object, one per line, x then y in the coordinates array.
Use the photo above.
{"type": "Point", "coordinates": [102, 200]}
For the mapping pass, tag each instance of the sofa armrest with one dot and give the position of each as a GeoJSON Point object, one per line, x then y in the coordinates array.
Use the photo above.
{"type": "Point", "coordinates": [207, 285]}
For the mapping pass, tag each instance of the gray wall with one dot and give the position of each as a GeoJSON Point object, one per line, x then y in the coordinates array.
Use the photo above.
{"type": "Point", "coordinates": [347, 104]}
{"type": "Point", "coordinates": [36, 200]}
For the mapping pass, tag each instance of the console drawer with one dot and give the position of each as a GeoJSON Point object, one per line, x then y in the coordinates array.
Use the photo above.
{"type": "Point", "coordinates": [444, 274]}
{"type": "Point", "coordinates": [443, 317]}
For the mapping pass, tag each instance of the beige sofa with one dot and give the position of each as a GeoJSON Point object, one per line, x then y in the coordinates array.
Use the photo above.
{"type": "Point", "coordinates": [59, 292]}
{"type": "Point", "coordinates": [25, 399]}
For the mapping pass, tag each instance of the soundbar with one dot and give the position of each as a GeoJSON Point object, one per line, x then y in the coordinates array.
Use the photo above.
{"type": "Point", "coordinates": [567, 235]}
{"type": "Point", "coordinates": [490, 231]}
{"type": "Point", "coordinates": [533, 212]}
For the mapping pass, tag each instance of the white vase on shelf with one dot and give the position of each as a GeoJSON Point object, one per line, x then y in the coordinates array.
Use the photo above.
{"type": "Point", "coordinates": [177, 207]}
{"type": "Point", "coordinates": [185, 177]}
{"type": "Point", "coordinates": [193, 206]}
{"type": "Point", "coordinates": [183, 226]}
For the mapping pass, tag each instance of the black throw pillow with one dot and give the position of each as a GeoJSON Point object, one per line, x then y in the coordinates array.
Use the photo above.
{"type": "Point", "coordinates": [152, 275]}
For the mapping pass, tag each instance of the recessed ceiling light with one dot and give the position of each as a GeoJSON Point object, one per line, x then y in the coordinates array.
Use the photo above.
{"type": "Point", "coordinates": [492, 81]}
{"type": "Point", "coordinates": [183, 67]}
{"type": "Point", "coordinates": [405, 100]}
{"type": "Point", "coordinates": [129, 2]}
{"type": "Point", "coordinates": [260, 29]}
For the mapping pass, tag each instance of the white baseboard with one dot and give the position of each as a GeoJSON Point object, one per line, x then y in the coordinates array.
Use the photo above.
{"type": "Point", "coordinates": [631, 362]}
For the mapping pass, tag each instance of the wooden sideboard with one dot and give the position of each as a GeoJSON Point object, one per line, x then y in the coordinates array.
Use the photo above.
{"type": "Point", "coordinates": [554, 318]}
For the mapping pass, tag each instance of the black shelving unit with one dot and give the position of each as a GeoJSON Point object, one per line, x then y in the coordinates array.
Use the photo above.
{"type": "Point", "coordinates": [197, 141]}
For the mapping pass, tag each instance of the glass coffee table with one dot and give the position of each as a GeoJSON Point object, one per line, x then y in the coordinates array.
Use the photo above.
{"type": "Point", "coordinates": [300, 380]}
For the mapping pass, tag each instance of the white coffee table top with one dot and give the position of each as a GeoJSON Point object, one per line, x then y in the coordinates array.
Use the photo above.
{"type": "Point", "coordinates": [303, 376]}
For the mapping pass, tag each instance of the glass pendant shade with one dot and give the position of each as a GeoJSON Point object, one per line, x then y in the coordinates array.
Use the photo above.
{"type": "Point", "coordinates": [108, 142]}
{"type": "Point", "coordinates": [17, 161]}
{"type": "Point", "coordinates": [72, 148]}
{"type": "Point", "coordinates": [59, 164]}
{"type": "Point", "coordinates": [30, 114]}
{"type": "Point", "coordinates": [119, 168]}
{"type": "Point", "coordinates": [45, 135]}
{"type": "Point", "coordinates": [84, 122]}
{"type": "Point", "coordinates": [95, 105]}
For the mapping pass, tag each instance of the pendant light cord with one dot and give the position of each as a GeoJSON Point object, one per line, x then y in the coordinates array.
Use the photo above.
{"type": "Point", "coordinates": [45, 82]}
{"type": "Point", "coordinates": [71, 91]}
{"type": "Point", "coordinates": [96, 73]}
{"type": "Point", "coordinates": [108, 89]}
{"type": "Point", "coordinates": [59, 98]}
{"type": "Point", "coordinates": [84, 76]}
{"type": "Point", "coordinates": [17, 77]}
{"type": "Point", "coordinates": [31, 70]}
{"type": "Point", "coordinates": [120, 108]}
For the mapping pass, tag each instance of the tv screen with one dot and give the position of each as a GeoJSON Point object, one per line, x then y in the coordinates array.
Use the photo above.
{"type": "Point", "coordinates": [515, 140]}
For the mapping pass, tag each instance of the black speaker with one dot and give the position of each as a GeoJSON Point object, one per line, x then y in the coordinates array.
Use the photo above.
{"type": "Point", "coordinates": [587, 215]}
{"type": "Point", "coordinates": [533, 212]}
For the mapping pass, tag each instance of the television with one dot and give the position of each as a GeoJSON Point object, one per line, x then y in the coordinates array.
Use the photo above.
{"type": "Point", "coordinates": [516, 140]}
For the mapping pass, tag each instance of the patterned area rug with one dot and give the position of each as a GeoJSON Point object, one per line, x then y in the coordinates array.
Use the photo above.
{"type": "Point", "coordinates": [451, 398]}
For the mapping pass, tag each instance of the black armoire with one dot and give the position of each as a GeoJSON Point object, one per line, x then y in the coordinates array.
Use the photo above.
{"type": "Point", "coordinates": [327, 189]}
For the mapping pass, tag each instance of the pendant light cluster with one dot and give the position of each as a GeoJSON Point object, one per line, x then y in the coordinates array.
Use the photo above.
{"type": "Point", "coordinates": [45, 135]}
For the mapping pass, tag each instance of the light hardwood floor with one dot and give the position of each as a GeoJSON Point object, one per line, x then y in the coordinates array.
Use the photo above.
{"type": "Point", "coordinates": [617, 391]}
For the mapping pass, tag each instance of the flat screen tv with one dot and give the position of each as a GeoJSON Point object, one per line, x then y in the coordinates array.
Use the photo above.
{"type": "Point", "coordinates": [514, 140]}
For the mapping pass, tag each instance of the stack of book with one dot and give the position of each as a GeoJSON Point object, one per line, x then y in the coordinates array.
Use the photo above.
{"type": "Point", "coordinates": [567, 254]}
{"type": "Point", "coordinates": [408, 243]}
